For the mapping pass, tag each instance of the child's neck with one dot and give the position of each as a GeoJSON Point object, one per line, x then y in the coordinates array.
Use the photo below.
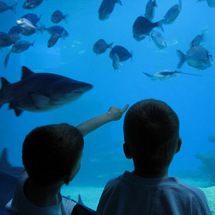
{"type": "Point", "coordinates": [42, 196]}
{"type": "Point", "coordinates": [148, 174]}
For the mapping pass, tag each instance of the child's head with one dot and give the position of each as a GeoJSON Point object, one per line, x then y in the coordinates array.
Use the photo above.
{"type": "Point", "coordinates": [52, 153]}
{"type": "Point", "coordinates": [151, 133]}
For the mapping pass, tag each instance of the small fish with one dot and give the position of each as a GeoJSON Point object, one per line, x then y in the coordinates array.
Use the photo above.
{"type": "Point", "coordinates": [31, 4]}
{"type": "Point", "coordinates": [28, 25]}
{"type": "Point", "coordinates": [28, 32]}
{"type": "Point", "coordinates": [211, 138]}
{"type": "Point", "coordinates": [197, 57]}
{"type": "Point", "coordinates": [211, 3]}
{"type": "Point", "coordinates": [142, 27]}
{"type": "Point", "coordinates": [4, 7]}
{"type": "Point", "coordinates": [122, 53]}
{"type": "Point", "coordinates": [150, 9]}
{"type": "Point", "coordinates": [5, 40]}
{"type": "Point", "coordinates": [53, 40]}
{"type": "Point", "coordinates": [17, 48]}
{"type": "Point", "coordinates": [15, 32]}
{"type": "Point", "coordinates": [158, 39]}
{"type": "Point", "coordinates": [115, 61]}
{"type": "Point", "coordinates": [38, 92]}
{"type": "Point", "coordinates": [57, 30]}
{"type": "Point", "coordinates": [197, 40]}
{"type": "Point", "coordinates": [57, 16]}
{"type": "Point", "coordinates": [106, 8]}
{"type": "Point", "coordinates": [101, 46]}
{"type": "Point", "coordinates": [172, 13]}
{"type": "Point", "coordinates": [33, 18]}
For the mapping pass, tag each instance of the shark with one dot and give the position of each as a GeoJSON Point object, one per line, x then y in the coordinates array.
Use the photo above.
{"type": "Point", "coordinates": [8, 178]}
{"type": "Point", "coordinates": [37, 92]}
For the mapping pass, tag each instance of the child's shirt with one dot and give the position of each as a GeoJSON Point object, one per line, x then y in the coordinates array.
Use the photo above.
{"type": "Point", "coordinates": [19, 205]}
{"type": "Point", "coordinates": [130, 194]}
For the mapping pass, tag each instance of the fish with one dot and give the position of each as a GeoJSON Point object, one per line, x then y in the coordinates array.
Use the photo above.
{"type": "Point", "coordinates": [101, 46]}
{"type": "Point", "coordinates": [197, 40]}
{"type": "Point", "coordinates": [165, 75]}
{"type": "Point", "coordinates": [53, 40]}
{"type": "Point", "coordinates": [5, 40]}
{"type": "Point", "coordinates": [211, 138]}
{"type": "Point", "coordinates": [31, 4]}
{"type": "Point", "coordinates": [39, 92]}
{"type": "Point", "coordinates": [158, 39]}
{"type": "Point", "coordinates": [28, 25]}
{"type": "Point", "coordinates": [106, 8]}
{"type": "Point", "coordinates": [15, 32]}
{"type": "Point", "coordinates": [122, 53]}
{"type": "Point", "coordinates": [57, 16]}
{"type": "Point", "coordinates": [115, 61]}
{"type": "Point", "coordinates": [197, 57]}
{"type": "Point", "coordinates": [142, 27]}
{"type": "Point", "coordinates": [172, 13]}
{"type": "Point", "coordinates": [211, 3]}
{"type": "Point", "coordinates": [57, 30]}
{"type": "Point", "coordinates": [33, 18]}
{"type": "Point", "coordinates": [150, 9]}
{"type": "Point", "coordinates": [8, 179]}
{"type": "Point", "coordinates": [18, 47]}
{"type": "Point", "coordinates": [4, 7]}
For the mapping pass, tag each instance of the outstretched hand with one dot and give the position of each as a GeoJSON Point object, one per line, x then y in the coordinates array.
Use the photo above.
{"type": "Point", "coordinates": [116, 113]}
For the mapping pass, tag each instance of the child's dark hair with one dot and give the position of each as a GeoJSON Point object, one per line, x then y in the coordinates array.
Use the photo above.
{"type": "Point", "coordinates": [50, 152]}
{"type": "Point", "coordinates": [151, 127]}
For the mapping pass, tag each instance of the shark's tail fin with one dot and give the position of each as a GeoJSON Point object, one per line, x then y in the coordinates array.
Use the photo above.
{"type": "Point", "coordinates": [3, 159]}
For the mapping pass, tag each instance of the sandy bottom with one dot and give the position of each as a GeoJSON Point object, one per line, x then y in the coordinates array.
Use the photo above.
{"type": "Point", "coordinates": [90, 195]}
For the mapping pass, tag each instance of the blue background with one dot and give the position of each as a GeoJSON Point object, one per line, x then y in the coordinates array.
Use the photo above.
{"type": "Point", "coordinates": [192, 97]}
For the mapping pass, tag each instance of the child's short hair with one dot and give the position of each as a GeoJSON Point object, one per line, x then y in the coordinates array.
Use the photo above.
{"type": "Point", "coordinates": [151, 127]}
{"type": "Point", "coordinates": [50, 152]}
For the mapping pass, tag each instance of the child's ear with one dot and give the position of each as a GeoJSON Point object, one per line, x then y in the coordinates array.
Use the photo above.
{"type": "Point", "coordinates": [127, 151]}
{"type": "Point", "coordinates": [179, 145]}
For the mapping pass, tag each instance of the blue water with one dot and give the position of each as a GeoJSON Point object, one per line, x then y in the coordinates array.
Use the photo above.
{"type": "Point", "coordinates": [192, 97]}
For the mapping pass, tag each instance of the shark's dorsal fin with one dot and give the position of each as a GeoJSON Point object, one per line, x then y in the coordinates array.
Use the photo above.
{"type": "Point", "coordinates": [3, 159]}
{"type": "Point", "coordinates": [4, 83]}
{"type": "Point", "coordinates": [26, 72]}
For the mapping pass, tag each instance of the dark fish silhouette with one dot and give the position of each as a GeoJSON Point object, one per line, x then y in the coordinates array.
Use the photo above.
{"type": "Point", "coordinates": [15, 32]}
{"type": "Point", "coordinates": [142, 27]}
{"type": "Point", "coordinates": [122, 53]}
{"type": "Point", "coordinates": [106, 8]}
{"type": "Point", "coordinates": [198, 39]}
{"type": "Point", "coordinates": [197, 57]}
{"type": "Point", "coordinates": [57, 16]}
{"type": "Point", "coordinates": [57, 30]}
{"type": "Point", "coordinates": [5, 40]}
{"type": "Point", "coordinates": [4, 7]}
{"type": "Point", "coordinates": [101, 46]}
{"type": "Point", "coordinates": [33, 18]}
{"type": "Point", "coordinates": [150, 9]}
{"type": "Point", "coordinates": [53, 39]}
{"type": "Point", "coordinates": [172, 13]}
{"type": "Point", "coordinates": [18, 47]}
{"type": "Point", "coordinates": [8, 178]}
{"type": "Point", "coordinates": [37, 92]}
{"type": "Point", "coordinates": [31, 4]}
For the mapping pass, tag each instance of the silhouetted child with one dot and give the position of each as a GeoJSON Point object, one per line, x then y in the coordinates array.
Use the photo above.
{"type": "Point", "coordinates": [151, 135]}
{"type": "Point", "coordinates": [52, 157]}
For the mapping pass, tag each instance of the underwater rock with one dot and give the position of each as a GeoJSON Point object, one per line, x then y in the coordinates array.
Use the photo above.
{"type": "Point", "coordinates": [208, 159]}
